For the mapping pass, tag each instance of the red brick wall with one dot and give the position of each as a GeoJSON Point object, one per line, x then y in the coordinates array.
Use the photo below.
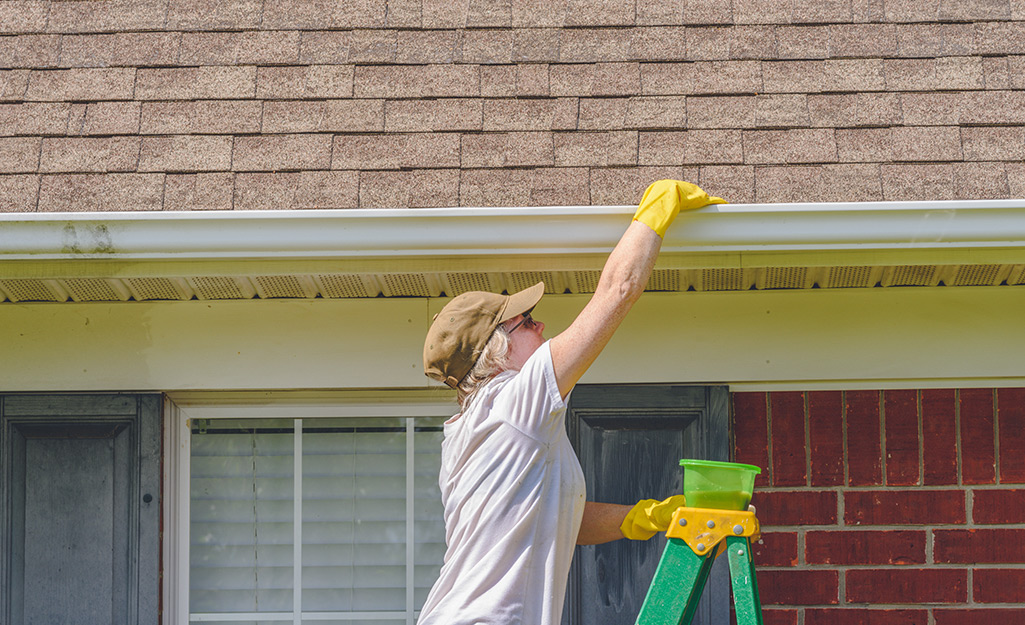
{"type": "Point", "coordinates": [888, 507]}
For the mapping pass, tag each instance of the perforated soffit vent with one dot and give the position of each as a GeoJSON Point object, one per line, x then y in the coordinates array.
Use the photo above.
{"type": "Point", "coordinates": [340, 286]}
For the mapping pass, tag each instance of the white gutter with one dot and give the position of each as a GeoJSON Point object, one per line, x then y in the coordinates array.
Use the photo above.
{"type": "Point", "coordinates": [732, 229]}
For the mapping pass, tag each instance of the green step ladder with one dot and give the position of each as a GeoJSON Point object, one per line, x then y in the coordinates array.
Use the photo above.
{"type": "Point", "coordinates": [696, 537]}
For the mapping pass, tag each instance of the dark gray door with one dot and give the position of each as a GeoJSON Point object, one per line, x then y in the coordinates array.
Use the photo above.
{"type": "Point", "coordinates": [80, 509]}
{"type": "Point", "coordinates": [630, 439]}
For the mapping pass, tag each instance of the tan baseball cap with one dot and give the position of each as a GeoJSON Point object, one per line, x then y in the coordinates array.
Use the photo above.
{"type": "Point", "coordinates": [462, 328]}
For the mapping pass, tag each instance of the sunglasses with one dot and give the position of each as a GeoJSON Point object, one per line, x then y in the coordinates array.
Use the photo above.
{"type": "Point", "coordinates": [526, 319]}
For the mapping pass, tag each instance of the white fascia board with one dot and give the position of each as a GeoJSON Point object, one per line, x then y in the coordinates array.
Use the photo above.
{"type": "Point", "coordinates": [728, 229]}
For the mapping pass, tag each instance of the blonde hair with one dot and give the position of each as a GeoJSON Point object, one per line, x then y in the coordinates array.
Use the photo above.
{"type": "Point", "coordinates": [493, 359]}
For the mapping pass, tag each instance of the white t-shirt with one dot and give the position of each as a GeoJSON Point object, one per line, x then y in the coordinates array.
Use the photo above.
{"type": "Point", "coordinates": [514, 494]}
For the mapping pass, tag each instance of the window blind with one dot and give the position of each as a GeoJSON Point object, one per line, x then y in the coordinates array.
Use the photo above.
{"type": "Point", "coordinates": [360, 496]}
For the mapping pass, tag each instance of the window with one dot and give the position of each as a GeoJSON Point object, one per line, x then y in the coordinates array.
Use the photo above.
{"type": "Point", "coordinates": [325, 515]}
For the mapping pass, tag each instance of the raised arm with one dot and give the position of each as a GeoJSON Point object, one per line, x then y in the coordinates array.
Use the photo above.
{"type": "Point", "coordinates": [623, 279]}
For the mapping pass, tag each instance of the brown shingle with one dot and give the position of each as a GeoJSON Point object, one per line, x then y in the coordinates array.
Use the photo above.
{"type": "Point", "coordinates": [980, 181]}
{"type": "Point", "coordinates": [265, 191]}
{"type": "Point", "coordinates": [697, 147]}
{"type": "Point", "coordinates": [498, 81]}
{"type": "Point", "coordinates": [327, 189]}
{"type": "Point", "coordinates": [704, 43]}
{"type": "Point", "coordinates": [600, 12]}
{"type": "Point", "coordinates": [652, 112]}
{"type": "Point", "coordinates": [111, 118]}
{"type": "Point", "coordinates": [444, 13]}
{"type": "Point", "coordinates": [323, 116]}
{"type": "Point", "coordinates": [23, 16]}
{"type": "Point", "coordinates": [1015, 179]}
{"type": "Point", "coordinates": [536, 45]}
{"type": "Point", "coordinates": [419, 81]}
{"type": "Point", "coordinates": [309, 14]}
{"type": "Point", "coordinates": [207, 191]}
{"type": "Point", "coordinates": [793, 76]}
{"type": "Point", "coordinates": [186, 153]}
{"type": "Point", "coordinates": [709, 12]}
{"type": "Point", "coordinates": [912, 10]}
{"type": "Point", "coordinates": [1000, 37]}
{"type": "Point", "coordinates": [660, 12]}
{"type": "Point", "coordinates": [530, 114]}
{"type": "Point", "coordinates": [34, 118]}
{"type": "Point", "coordinates": [608, 113]}
{"type": "Point", "coordinates": [762, 11]}
{"type": "Point", "coordinates": [488, 14]}
{"type": "Point", "coordinates": [109, 16]}
{"type": "Point", "coordinates": [864, 145]}
{"type": "Point", "coordinates": [930, 109]}
{"type": "Point", "coordinates": [734, 183]}
{"type": "Point", "coordinates": [595, 79]}
{"type": "Point", "coordinates": [14, 84]}
{"type": "Point", "coordinates": [297, 190]}
{"type": "Point", "coordinates": [100, 192]}
{"type": "Point", "coordinates": [595, 149]}
{"type": "Point", "coordinates": [993, 107]}
{"type": "Point", "coordinates": [853, 75]}
{"type": "Point", "coordinates": [281, 152]}
{"type": "Point", "coordinates": [559, 186]}
{"type": "Point", "coordinates": [802, 42]}
{"type": "Point", "coordinates": [928, 143]}
{"type": "Point", "coordinates": [996, 73]}
{"type": "Point", "coordinates": [506, 149]}
{"type": "Point", "coordinates": [29, 51]}
{"type": "Point", "coordinates": [363, 46]}
{"type": "Point", "coordinates": [247, 48]}
{"type": "Point", "coordinates": [931, 40]}
{"type": "Point", "coordinates": [486, 46]}
{"type": "Point", "coordinates": [395, 151]}
{"type": "Point", "coordinates": [422, 47]}
{"type": "Point", "coordinates": [962, 10]}
{"type": "Point", "coordinates": [841, 110]}
{"type": "Point", "coordinates": [81, 84]}
{"type": "Point", "coordinates": [192, 83]}
{"type": "Point", "coordinates": [328, 47]}
{"type": "Point", "coordinates": [753, 42]}
{"type": "Point", "coordinates": [404, 14]}
{"type": "Point", "coordinates": [19, 155]}
{"type": "Point", "coordinates": [820, 11]}
{"type": "Point", "coordinates": [532, 79]}
{"type": "Point", "coordinates": [818, 183]}
{"type": "Point", "coordinates": [88, 154]}
{"type": "Point", "coordinates": [987, 143]}
{"type": "Point", "coordinates": [931, 181]}
{"type": "Point", "coordinates": [119, 50]}
{"type": "Point", "coordinates": [862, 40]}
{"type": "Point", "coordinates": [620, 186]}
{"type": "Point", "coordinates": [701, 78]}
{"type": "Point", "coordinates": [200, 117]}
{"type": "Point", "coordinates": [782, 110]}
{"type": "Point", "coordinates": [800, 145]}
{"type": "Point", "coordinates": [206, 15]}
{"type": "Point", "coordinates": [720, 111]}
{"type": "Point", "coordinates": [1016, 72]}
{"type": "Point", "coordinates": [18, 193]}
{"type": "Point", "coordinates": [310, 81]}
{"type": "Point", "coordinates": [537, 14]}
{"type": "Point", "coordinates": [428, 115]}
{"type": "Point", "coordinates": [424, 188]}
{"type": "Point", "coordinates": [608, 45]}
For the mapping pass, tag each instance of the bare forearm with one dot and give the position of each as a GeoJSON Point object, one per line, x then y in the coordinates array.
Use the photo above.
{"type": "Point", "coordinates": [601, 523]}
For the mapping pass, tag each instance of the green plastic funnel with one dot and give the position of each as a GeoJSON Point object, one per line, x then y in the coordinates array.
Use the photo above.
{"type": "Point", "coordinates": [722, 485]}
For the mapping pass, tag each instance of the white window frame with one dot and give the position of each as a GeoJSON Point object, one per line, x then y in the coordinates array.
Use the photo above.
{"type": "Point", "coordinates": [179, 411]}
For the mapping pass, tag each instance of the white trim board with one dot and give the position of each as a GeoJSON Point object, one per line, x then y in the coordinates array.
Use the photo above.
{"type": "Point", "coordinates": [815, 337]}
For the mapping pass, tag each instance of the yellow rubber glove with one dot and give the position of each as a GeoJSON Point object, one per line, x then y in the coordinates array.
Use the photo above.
{"type": "Point", "coordinates": [666, 198]}
{"type": "Point", "coordinates": [650, 516]}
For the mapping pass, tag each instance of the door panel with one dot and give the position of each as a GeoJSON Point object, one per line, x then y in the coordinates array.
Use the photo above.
{"type": "Point", "coordinates": [629, 439]}
{"type": "Point", "coordinates": [80, 509]}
